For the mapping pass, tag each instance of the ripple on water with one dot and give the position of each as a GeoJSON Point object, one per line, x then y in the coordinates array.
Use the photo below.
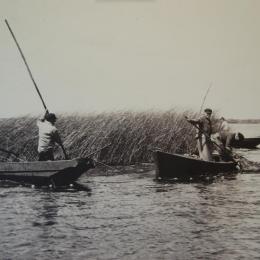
{"type": "Point", "coordinates": [130, 216]}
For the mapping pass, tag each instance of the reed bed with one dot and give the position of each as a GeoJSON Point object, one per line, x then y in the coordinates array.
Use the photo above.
{"type": "Point", "coordinates": [133, 135]}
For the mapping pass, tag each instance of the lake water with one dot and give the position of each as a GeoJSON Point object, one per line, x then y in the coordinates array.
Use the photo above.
{"type": "Point", "coordinates": [130, 216]}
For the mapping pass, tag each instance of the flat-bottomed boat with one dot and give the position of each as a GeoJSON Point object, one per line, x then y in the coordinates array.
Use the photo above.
{"type": "Point", "coordinates": [181, 167]}
{"type": "Point", "coordinates": [57, 173]}
{"type": "Point", "coordinates": [247, 143]}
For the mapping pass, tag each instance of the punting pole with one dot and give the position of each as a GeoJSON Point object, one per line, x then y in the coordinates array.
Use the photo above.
{"type": "Point", "coordinates": [26, 64]}
{"type": "Point", "coordinates": [31, 76]}
{"type": "Point", "coordinates": [203, 101]}
{"type": "Point", "coordinates": [103, 147]}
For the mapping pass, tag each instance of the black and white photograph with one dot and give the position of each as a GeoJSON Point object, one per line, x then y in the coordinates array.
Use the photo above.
{"type": "Point", "coordinates": [129, 129]}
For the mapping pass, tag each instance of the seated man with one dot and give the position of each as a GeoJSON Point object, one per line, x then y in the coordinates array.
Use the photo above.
{"type": "Point", "coordinates": [224, 141]}
{"type": "Point", "coordinates": [48, 136]}
{"type": "Point", "coordinates": [230, 138]}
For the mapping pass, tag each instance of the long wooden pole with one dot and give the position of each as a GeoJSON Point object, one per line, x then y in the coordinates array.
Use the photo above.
{"type": "Point", "coordinates": [105, 146]}
{"type": "Point", "coordinates": [98, 161]}
{"type": "Point", "coordinates": [26, 64]}
{"type": "Point", "coordinates": [203, 101]}
{"type": "Point", "coordinates": [31, 76]}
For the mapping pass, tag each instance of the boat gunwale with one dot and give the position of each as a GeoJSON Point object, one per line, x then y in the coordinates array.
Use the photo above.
{"type": "Point", "coordinates": [49, 161]}
{"type": "Point", "coordinates": [44, 166]}
{"type": "Point", "coordinates": [30, 171]}
{"type": "Point", "coordinates": [195, 159]}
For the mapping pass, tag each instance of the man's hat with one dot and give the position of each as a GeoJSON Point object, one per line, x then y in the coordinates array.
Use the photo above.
{"type": "Point", "coordinates": [208, 110]}
{"type": "Point", "coordinates": [50, 117]}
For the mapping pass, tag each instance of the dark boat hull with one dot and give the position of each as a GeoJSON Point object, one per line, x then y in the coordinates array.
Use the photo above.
{"type": "Point", "coordinates": [170, 166]}
{"type": "Point", "coordinates": [45, 172]}
{"type": "Point", "coordinates": [247, 143]}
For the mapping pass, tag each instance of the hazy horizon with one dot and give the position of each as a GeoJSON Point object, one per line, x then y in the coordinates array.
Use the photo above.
{"type": "Point", "coordinates": [110, 55]}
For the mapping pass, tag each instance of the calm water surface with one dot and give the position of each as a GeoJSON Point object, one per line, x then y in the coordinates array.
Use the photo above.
{"type": "Point", "coordinates": [130, 216]}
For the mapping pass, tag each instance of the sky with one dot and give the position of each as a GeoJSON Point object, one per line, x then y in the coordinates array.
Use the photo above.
{"type": "Point", "coordinates": [106, 55]}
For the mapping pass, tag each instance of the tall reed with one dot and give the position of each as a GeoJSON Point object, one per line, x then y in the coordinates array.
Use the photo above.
{"type": "Point", "coordinates": [133, 135]}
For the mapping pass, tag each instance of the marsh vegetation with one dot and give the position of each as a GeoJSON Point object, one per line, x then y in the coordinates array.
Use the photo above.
{"type": "Point", "coordinates": [133, 135]}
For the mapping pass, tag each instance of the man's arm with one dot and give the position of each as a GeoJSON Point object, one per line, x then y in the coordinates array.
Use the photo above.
{"type": "Point", "coordinates": [230, 139]}
{"type": "Point", "coordinates": [59, 141]}
{"type": "Point", "coordinates": [194, 121]}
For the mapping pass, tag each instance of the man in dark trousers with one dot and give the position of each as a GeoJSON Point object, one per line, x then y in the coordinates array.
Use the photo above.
{"type": "Point", "coordinates": [48, 136]}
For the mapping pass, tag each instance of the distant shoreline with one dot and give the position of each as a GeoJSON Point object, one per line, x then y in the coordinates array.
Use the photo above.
{"type": "Point", "coordinates": [244, 121]}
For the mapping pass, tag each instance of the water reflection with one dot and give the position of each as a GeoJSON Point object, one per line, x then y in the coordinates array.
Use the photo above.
{"type": "Point", "coordinates": [130, 216]}
{"type": "Point", "coordinates": [46, 210]}
{"type": "Point", "coordinates": [74, 187]}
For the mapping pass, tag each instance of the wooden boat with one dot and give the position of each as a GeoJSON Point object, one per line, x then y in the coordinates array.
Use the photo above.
{"type": "Point", "coordinates": [170, 166]}
{"type": "Point", "coordinates": [57, 173]}
{"type": "Point", "coordinates": [248, 143]}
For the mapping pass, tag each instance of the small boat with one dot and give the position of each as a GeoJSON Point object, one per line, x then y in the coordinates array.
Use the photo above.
{"type": "Point", "coordinates": [181, 167]}
{"type": "Point", "coordinates": [247, 143]}
{"type": "Point", "coordinates": [57, 173]}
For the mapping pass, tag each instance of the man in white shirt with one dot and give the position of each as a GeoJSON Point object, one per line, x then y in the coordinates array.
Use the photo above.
{"type": "Point", "coordinates": [48, 136]}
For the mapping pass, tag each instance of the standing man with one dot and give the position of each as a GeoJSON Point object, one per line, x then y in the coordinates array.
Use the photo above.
{"type": "Point", "coordinates": [223, 125]}
{"type": "Point", "coordinates": [204, 126]}
{"type": "Point", "coordinates": [48, 136]}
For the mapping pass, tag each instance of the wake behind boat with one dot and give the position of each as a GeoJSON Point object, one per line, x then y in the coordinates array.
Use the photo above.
{"type": "Point", "coordinates": [170, 166]}
{"type": "Point", "coordinates": [57, 173]}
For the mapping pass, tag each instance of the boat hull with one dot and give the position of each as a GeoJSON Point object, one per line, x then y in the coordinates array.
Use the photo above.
{"type": "Point", "coordinates": [170, 166]}
{"type": "Point", "coordinates": [247, 143]}
{"type": "Point", "coordinates": [61, 172]}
